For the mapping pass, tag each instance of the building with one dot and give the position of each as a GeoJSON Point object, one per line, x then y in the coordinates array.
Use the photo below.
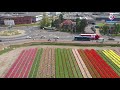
{"type": "Point", "coordinates": [20, 17]}
{"type": "Point", "coordinates": [68, 25]}
{"type": "Point", "coordinates": [81, 15]}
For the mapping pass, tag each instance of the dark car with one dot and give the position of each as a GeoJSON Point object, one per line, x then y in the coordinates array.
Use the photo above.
{"type": "Point", "coordinates": [0, 40]}
{"type": "Point", "coordinates": [111, 38]}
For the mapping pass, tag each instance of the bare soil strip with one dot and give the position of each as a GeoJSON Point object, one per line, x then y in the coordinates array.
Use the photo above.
{"type": "Point", "coordinates": [83, 65]}
{"type": "Point", "coordinates": [79, 64]}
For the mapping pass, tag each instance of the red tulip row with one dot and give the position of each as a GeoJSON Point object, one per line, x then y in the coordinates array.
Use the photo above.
{"type": "Point", "coordinates": [89, 65]}
{"type": "Point", "coordinates": [101, 66]}
{"type": "Point", "coordinates": [22, 65]}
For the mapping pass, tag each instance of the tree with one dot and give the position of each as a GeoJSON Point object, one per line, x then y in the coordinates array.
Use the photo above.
{"type": "Point", "coordinates": [52, 24]}
{"type": "Point", "coordinates": [61, 18]}
{"type": "Point", "coordinates": [105, 29]}
{"type": "Point", "coordinates": [45, 21]}
{"type": "Point", "coordinates": [78, 25]}
{"type": "Point", "coordinates": [56, 23]}
{"type": "Point", "coordinates": [117, 28]}
{"type": "Point", "coordinates": [83, 24]}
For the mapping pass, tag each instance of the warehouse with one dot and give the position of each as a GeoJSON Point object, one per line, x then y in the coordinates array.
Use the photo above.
{"type": "Point", "coordinates": [20, 17]}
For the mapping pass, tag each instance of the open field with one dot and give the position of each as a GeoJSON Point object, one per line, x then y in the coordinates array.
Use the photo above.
{"type": "Point", "coordinates": [60, 62]}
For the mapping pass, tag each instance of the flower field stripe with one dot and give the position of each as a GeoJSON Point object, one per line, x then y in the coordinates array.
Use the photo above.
{"type": "Point", "coordinates": [109, 62]}
{"type": "Point", "coordinates": [108, 69]}
{"type": "Point", "coordinates": [46, 72]}
{"type": "Point", "coordinates": [64, 64]}
{"type": "Point", "coordinates": [91, 68]}
{"type": "Point", "coordinates": [17, 61]}
{"type": "Point", "coordinates": [115, 55]}
{"type": "Point", "coordinates": [33, 66]}
{"type": "Point", "coordinates": [34, 69]}
{"type": "Point", "coordinates": [116, 51]}
{"type": "Point", "coordinates": [102, 66]}
{"type": "Point", "coordinates": [53, 62]}
{"type": "Point", "coordinates": [76, 65]}
{"type": "Point", "coordinates": [23, 65]}
{"type": "Point", "coordinates": [60, 65]}
{"type": "Point", "coordinates": [57, 71]}
{"type": "Point", "coordinates": [83, 65]}
{"type": "Point", "coordinates": [41, 65]}
{"type": "Point", "coordinates": [49, 60]}
{"type": "Point", "coordinates": [24, 59]}
{"type": "Point", "coordinates": [71, 64]}
{"type": "Point", "coordinates": [87, 65]}
{"type": "Point", "coordinates": [27, 70]}
{"type": "Point", "coordinates": [79, 64]}
{"type": "Point", "coordinates": [45, 65]}
{"type": "Point", "coordinates": [96, 64]}
{"type": "Point", "coordinates": [111, 57]}
{"type": "Point", "coordinates": [68, 64]}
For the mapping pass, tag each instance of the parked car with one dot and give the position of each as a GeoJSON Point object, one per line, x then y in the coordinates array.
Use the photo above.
{"type": "Point", "coordinates": [0, 40]}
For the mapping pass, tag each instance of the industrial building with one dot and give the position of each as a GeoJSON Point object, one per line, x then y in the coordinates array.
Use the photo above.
{"type": "Point", "coordinates": [14, 18]}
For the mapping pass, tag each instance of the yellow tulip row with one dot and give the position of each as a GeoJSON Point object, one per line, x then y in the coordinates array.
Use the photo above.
{"type": "Point", "coordinates": [112, 56]}
{"type": "Point", "coordinates": [117, 56]}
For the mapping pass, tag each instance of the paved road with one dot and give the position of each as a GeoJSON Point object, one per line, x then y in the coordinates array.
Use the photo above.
{"type": "Point", "coordinates": [88, 29]}
{"type": "Point", "coordinates": [36, 33]}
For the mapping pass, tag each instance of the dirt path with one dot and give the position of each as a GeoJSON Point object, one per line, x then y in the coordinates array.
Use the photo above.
{"type": "Point", "coordinates": [75, 47]}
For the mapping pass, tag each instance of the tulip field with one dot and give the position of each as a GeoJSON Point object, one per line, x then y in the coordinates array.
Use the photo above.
{"type": "Point", "coordinates": [65, 63]}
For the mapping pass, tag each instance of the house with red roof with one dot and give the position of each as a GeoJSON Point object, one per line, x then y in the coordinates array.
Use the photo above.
{"type": "Point", "coordinates": [68, 25]}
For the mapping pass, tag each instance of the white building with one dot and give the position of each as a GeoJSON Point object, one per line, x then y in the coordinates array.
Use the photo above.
{"type": "Point", "coordinates": [39, 17]}
{"type": "Point", "coordinates": [9, 22]}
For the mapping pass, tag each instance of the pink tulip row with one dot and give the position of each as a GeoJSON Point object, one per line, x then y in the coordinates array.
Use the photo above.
{"type": "Point", "coordinates": [22, 65]}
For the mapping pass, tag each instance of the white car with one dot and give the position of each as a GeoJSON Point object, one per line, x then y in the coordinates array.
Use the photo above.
{"type": "Point", "coordinates": [100, 40]}
{"type": "Point", "coordinates": [28, 37]}
{"type": "Point", "coordinates": [55, 37]}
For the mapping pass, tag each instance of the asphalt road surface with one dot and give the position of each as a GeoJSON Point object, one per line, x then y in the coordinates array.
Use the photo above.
{"type": "Point", "coordinates": [36, 33]}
